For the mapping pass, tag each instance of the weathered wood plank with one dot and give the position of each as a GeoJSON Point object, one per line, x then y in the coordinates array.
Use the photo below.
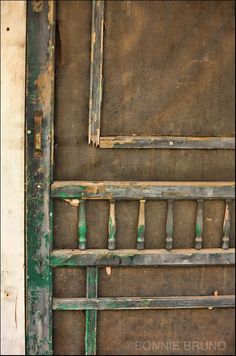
{"type": "Point", "coordinates": [96, 64]}
{"type": "Point", "coordinates": [160, 257]}
{"type": "Point", "coordinates": [91, 315]}
{"type": "Point", "coordinates": [112, 227]}
{"type": "Point", "coordinates": [226, 226]}
{"type": "Point", "coordinates": [40, 97]}
{"type": "Point", "coordinates": [199, 224]}
{"type": "Point", "coordinates": [141, 226]}
{"type": "Point", "coordinates": [142, 190]}
{"type": "Point", "coordinates": [167, 142]}
{"type": "Point", "coordinates": [183, 302]}
{"type": "Point", "coordinates": [13, 49]}
{"type": "Point", "coordinates": [169, 224]}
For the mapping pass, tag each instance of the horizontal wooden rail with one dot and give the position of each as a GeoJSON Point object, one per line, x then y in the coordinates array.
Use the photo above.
{"type": "Point", "coordinates": [167, 142]}
{"type": "Point", "coordinates": [158, 257]}
{"type": "Point", "coordinates": [142, 190]}
{"type": "Point", "coordinates": [183, 302]}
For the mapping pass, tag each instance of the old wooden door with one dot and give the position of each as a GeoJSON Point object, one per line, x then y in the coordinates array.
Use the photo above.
{"type": "Point", "coordinates": [130, 230]}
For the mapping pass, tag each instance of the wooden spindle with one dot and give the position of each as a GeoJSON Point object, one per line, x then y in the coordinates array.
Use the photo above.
{"type": "Point", "coordinates": [112, 227]}
{"type": "Point", "coordinates": [141, 225]}
{"type": "Point", "coordinates": [169, 224]}
{"type": "Point", "coordinates": [199, 225]}
{"type": "Point", "coordinates": [82, 226]}
{"type": "Point", "coordinates": [226, 226]}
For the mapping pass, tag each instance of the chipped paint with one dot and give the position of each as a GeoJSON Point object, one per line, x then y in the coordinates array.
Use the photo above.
{"type": "Point", "coordinates": [37, 5]}
{"type": "Point", "coordinates": [40, 87]}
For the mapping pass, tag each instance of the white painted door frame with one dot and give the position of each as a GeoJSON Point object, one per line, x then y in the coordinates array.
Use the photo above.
{"type": "Point", "coordinates": [13, 48]}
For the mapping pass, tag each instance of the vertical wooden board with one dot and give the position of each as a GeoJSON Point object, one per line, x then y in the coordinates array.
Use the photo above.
{"type": "Point", "coordinates": [112, 226]}
{"type": "Point", "coordinates": [199, 224]}
{"type": "Point", "coordinates": [13, 43]}
{"type": "Point", "coordinates": [91, 315]}
{"type": "Point", "coordinates": [40, 95]}
{"type": "Point", "coordinates": [96, 78]}
{"type": "Point", "coordinates": [232, 227]}
{"type": "Point", "coordinates": [82, 225]}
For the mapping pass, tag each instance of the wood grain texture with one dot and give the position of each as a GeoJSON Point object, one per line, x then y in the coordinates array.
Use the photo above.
{"type": "Point", "coordinates": [95, 100]}
{"type": "Point", "coordinates": [168, 142]}
{"type": "Point", "coordinates": [112, 227]}
{"type": "Point", "coordinates": [226, 226]}
{"type": "Point", "coordinates": [169, 224]}
{"type": "Point", "coordinates": [40, 96]}
{"type": "Point", "coordinates": [91, 315]}
{"type": "Point", "coordinates": [199, 224]}
{"type": "Point", "coordinates": [183, 302]}
{"type": "Point", "coordinates": [158, 257]}
{"type": "Point", "coordinates": [141, 226]}
{"type": "Point", "coordinates": [142, 190]}
{"type": "Point", "coordinates": [13, 47]}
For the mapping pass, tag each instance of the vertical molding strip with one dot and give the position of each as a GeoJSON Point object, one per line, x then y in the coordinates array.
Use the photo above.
{"type": "Point", "coordinates": [169, 224]}
{"type": "Point", "coordinates": [91, 315]}
{"type": "Point", "coordinates": [141, 225]}
{"type": "Point", "coordinates": [39, 97]}
{"type": "Point", "coordinates": [96, 64]}
{"type": "Point", "coordinates": [199, 224]}
{"type": "Point", "coordinates": [82, 226]}
{"type": "Point", "coordinates": [226, 226]}
{"type": "Point", "coordinates": [112, 227]}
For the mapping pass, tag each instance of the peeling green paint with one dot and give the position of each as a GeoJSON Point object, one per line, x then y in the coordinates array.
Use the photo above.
{"type": "Point", "coordinates": [39, 96]}
{"type": "Point", "coordinates": [112, 227]}
{"type": "Point", "coordinates": [82, 226]}
{"type": "Point", "coordinates": [91, 315]}
{"type": "Point", "coordinates": [140, 236]}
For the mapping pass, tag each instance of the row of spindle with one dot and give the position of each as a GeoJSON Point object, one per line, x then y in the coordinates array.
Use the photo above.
{"type": "Point", "coordinates": [140, 239]}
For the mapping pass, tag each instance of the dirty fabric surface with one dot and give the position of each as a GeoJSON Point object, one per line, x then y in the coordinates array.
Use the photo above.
{"type": "Point", "coordinates": [167, 70]}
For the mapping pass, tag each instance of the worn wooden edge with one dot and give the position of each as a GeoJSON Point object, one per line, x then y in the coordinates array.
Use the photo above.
{"type": "Point", "coordinates": [157, 257]}
{"type": "Point", "coordinates": [96, 68]}
{"type": "Point", "coordinates": [91, 315]}
{"type": "Point", "coordinates": [39, 97]}
{"type": "Point", "coordinates": [142, 190]}
{"type": "Point", "coordinates": [183, 302]}
{"type": "Point", "coordinates": [167, 142]}
{"type": "Point", "coordinates": [13, 48]}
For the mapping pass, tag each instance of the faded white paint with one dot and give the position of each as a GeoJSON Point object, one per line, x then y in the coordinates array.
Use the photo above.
{"type": "Point", "coordinates": [13, 35]}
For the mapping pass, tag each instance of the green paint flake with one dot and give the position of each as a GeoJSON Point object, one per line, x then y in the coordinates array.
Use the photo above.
{"type": "Point", "coordinates": [198, 230]}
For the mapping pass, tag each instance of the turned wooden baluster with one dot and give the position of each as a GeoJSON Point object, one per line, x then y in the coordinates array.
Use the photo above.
{"type": "Point", "coordinates": [199, 225]}
{"type": "Point", "coordinates": [82, 225]}
{"type": "Point", "coordinates": [226, 226]}
{"type": "Point", "coordinates": [112, 227]}
{"type": "Point", "coordinates": [141, 225]}
{"type": "Point", "coordinates": [169, 224]}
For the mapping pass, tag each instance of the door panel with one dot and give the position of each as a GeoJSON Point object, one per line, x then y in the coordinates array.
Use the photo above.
{"type": "Point", "coordinates": [176, 72]}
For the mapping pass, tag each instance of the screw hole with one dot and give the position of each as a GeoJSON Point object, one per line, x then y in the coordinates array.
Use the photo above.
{"type": "Point", "coordinates": [8, 28]}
